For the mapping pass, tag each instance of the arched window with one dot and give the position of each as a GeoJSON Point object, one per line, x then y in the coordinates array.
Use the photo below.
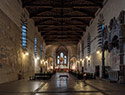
{"type": "Point", "coordinates": [65, 59]}
{"type": "Point", "coordinates": [58, 60]}
{"type": "Point", "coordinates": [82, 48]}
{"type": "Point", "coordinates": [100, 29]}
{"type": "Point", "coordinates": [89, 44]}
{"type": "Point", "coordinates": [44, 52]}
{"type": "Point", "coordinates": [24, 35]}
{"type": "Point", "coordinates": [35, 46]}
{"type": "Point", "coordinates": [61, 54]}
{"type": "Point", "coordinates": [41, 49]}
{"type": "Point", "coordinates": [61, 59]}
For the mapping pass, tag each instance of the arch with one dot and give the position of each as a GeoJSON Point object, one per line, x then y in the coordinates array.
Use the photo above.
{"type": "Point", "coordinates": [73, 57]}
{"type": "Point", "coordinates": [61, 55]}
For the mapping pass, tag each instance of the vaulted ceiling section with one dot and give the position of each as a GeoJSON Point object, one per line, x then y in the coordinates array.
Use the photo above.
{"type": "Point", "coordinates": [62, 21]}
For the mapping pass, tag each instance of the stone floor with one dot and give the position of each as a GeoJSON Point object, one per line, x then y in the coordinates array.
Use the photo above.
{"type": "Point", "coordinates": [62, 86]}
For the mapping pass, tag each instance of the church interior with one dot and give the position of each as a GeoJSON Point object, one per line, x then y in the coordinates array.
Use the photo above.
{"type": "Point", "coordinates": [62, 47]}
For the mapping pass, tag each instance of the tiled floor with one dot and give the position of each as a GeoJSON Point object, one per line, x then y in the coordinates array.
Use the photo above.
{"type": "Point", "coordinates": [57, 86]}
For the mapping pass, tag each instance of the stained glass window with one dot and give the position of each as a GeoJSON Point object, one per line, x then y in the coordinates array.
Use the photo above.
{"type": "Point", "coordinates": [58, 60]}
{"type": "Point", "coordinates": [44, 52]}
{"type": "Point", "coordinates": [89, 44]}
{"type": "Point", "coordinates": [61, 59]}
{"type": "Point", "coordinates": [82, 48]}
{"type": "Point", "coordinates": [35, 46]}
{"type": "Point", "coordinates": [24, 34]}
{"type": "Point", "coordinates": [61, 54]}
{"type": "Point", "coordinates": [65, 59]}
{"type": "Point", "coordinates": [102, 27]}
{"type": "Point", "coordinates": [41, 47]}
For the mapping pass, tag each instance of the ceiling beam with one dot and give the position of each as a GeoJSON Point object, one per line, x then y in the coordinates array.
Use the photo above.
{"type": "Point", "coordinates": [65, 7]}
{"type": "Point", "coordinates": [61, 33]}
{"type": "Point", "coordinates": [41, 20]}
{"type": "Point", "coordinates": [70, 24]}
{"type": "Point", "coordinates": [100, 4]}
{"type": "Point", "coordinates": [49, 36]}
{"type": "Point", "coordinates": [62, 40]}
{"type": "Point", "coordinates": [64, 43]}
{"type": "Point", "coordinates": [63, 37]}
{"type": "Point", "coordinates": [60, 16]}
{"type": "Point", "coordinates": [59, 29]}
{"type": "Point", "coordinates": [86, 12]}
{"type": "Point", "coordinates": [35, 13]}
{"type": "Point", "coordinates": [81, 20]}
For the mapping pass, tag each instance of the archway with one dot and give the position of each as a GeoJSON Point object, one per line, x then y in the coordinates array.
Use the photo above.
{"type": "Point", "coordinates": [62, 59]}
{"type": "Point", "coordinates": [73, 63]}
{"type": "Point", "coordinates": [50, 65]}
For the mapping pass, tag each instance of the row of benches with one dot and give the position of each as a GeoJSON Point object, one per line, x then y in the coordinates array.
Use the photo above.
{"type": "Point", "coordinates": [80, 75]}
{"type": "Point", "coordinates": [42, 76]}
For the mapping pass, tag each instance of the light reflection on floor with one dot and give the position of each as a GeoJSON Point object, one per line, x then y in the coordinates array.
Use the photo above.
{"type": "Point", "coordinates": [61, 86]}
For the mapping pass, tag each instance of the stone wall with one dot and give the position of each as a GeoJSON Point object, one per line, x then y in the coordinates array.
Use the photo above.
{"type": "Point", "coordinates": [110, 10]}
{"type": "Point", "coordinates": [12, 58]}
{"type": "Point", "coordinates": [51, 52]}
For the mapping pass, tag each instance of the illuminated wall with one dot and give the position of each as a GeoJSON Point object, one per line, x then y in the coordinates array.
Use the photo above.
{"type": "Point", "coordinates": [13, 58]}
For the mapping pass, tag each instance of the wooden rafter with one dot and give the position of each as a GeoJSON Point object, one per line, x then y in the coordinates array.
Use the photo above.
{"type": "Point", "coordinates": [39, 11]}
{"type": "Point", "coordinates": [96, 2]}
{"type": "Point", "coordinates": [58, 7]}
{"type": "Point", "coordinates": [62, 21]}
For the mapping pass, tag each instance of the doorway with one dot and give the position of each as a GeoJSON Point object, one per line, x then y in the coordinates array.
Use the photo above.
{"type": "Point", "coordinates": [97, 71]}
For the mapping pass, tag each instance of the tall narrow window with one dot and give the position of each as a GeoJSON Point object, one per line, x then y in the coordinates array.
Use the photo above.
{"type": "Point", "coordinates": [89, 44]}
{"type": "Point", "coordinates": [100, 29]}
{"type": "Point", "coordinates": [61, 59]}
{"type": "Point", "coordinates": [58, 60]}
{"type": "Point", "coordinates": [44, 52]}
{"type": "Point", "coordinates": [82, 48]}
{"type": "Point", "coordinates": [61, 54]}
{"type": "Point", "coordinates": [35, 46]}
{"type": "Point", "coordinates": [41, 49]}
{"type": "Point", "coordinates": [65, 59]}
{"type": "Point", "coordinates": [24, 35]}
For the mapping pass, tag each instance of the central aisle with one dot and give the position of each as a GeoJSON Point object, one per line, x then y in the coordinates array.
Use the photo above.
{"type": "Point", "coordinates": [63, 86]}
{"type": "Point", "coordinates": [57, 86]}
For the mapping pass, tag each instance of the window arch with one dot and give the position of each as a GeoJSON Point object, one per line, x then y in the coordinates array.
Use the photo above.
{"type": "Point", "coordinates": [62, 55]}
{"type": "Point", "coordinates": [62, 58]}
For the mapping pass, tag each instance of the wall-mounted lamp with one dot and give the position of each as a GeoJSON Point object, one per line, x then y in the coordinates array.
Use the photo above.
{"type": "Point", "coordinates": [89, 58]}
{"type": "Point", "coordinates": [82, 60]}
{"type": "Point", "coordinates": [86, 57]}
{"type": "Point", "coordinates": [42, 61]}
{"type": "Point", "coordinates": [37, 58]}
{"type": "Point", "coordinates": [26, 53]}
{"type": "Point", "coordinates": [98, 52]}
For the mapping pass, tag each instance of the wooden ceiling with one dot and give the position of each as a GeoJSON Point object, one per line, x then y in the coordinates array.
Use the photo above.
{"type": "Point", "coordinates": [62, 21]}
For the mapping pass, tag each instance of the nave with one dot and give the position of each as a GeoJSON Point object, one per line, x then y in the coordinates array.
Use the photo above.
{"type": "Point", "coordinates": [61, 86]}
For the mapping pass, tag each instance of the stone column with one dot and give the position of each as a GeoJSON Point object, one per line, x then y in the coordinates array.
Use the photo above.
{"type": "Point", "coordinates": [122, 55]}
